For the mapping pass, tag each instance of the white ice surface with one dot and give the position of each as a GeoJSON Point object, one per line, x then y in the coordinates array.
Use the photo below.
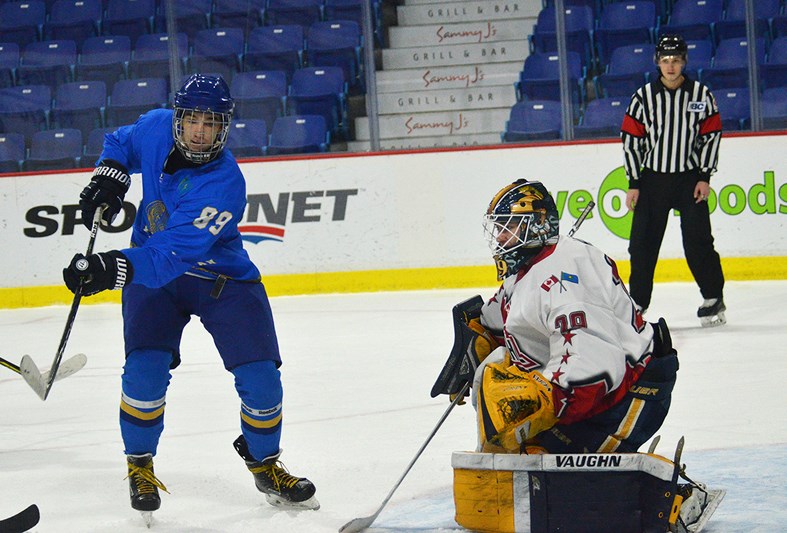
{"type": "Point", "coordinates": [357, 374]}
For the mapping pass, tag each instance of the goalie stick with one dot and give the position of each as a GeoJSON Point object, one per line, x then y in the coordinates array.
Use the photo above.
{"type": "Point", "coordinates": [359, 524]}
{"type": "Point", "coordinates": [42, 383]}
{"type": "Point", "coordinates": [22, 521]}
{"type": "Point", "coordinates": [582, 217]}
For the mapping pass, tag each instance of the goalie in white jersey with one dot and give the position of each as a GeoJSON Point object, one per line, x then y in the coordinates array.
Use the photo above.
{"type": "Point", "coordinates": [567, 363]}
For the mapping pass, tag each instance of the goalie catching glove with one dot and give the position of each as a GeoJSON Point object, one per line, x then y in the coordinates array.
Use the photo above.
{"type": "Point", "coordinates": [108, 187]}
{"type": "Point", "coordinates": [513, 406]}
{"type": "Point", "coordinates": [98, 272]}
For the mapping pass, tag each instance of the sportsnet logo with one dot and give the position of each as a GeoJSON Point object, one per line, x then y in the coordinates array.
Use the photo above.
{"type": "Point", "coordinates": [256, 233]}
{"type": "Point", "coordinates": [267, 214]}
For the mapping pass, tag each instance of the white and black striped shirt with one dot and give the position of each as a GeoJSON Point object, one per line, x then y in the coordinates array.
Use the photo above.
{"type": "Point", "coordinates": [670, 131]}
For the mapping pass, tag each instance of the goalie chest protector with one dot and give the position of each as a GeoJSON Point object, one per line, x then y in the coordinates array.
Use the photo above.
{"type": "Point", "coordinates": [580, 493]}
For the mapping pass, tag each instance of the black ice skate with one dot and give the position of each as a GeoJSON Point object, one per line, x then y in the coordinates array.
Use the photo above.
{"type": "Point", "coordinates": [143, 486]}
{"type": "Point", "coordinates": [279, 486]}
{"type": "Point", "coordinates": [711, 313]}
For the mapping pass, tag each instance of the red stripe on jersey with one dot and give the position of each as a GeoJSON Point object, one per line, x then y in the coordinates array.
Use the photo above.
{"type": "Point", "coordinates": [587, 400]}
{"type": "Point", "coordinates": [712, 124]}
{"type": "Point", "coordinates": [633, 126]}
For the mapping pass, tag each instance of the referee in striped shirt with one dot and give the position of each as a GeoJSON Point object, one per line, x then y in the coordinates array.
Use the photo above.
{"type": "Point", "coordinates": [671, 134]}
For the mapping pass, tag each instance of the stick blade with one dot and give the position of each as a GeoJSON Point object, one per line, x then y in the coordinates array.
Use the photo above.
{"type": "Point", "coordinates": [32, 376]}
{"type": "Point", "coordinates": [357, 524]}
{"type": "Point", "coordinates": [38, 381]}
{"type": "Point", "coordinates": [22, 521]}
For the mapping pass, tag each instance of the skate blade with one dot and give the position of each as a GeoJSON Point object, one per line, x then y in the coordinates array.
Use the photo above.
{"type": "Point", "coordinates": [147, 516]}
{"type": "Point", "coordinates": [307, 505]}
{"type": "Point", "coordinates": [714, 499]}
{"type": "Point", "coordinates": [713, 321]}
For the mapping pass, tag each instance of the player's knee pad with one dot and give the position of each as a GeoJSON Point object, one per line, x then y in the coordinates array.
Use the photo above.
{"type": "Point", "coordinates": [146, 374]}
{"type": "Point", "coordinates": [259, 387]}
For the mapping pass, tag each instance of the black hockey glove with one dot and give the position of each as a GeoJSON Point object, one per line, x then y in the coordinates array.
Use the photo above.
{"type": "Point", "coordinates": [109, 185]}
{"type": "Point", "coordinates": [98, 272]}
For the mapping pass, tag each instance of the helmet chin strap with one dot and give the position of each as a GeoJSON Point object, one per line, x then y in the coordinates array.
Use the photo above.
{"type": "Point", "coordinates": [512, 262]}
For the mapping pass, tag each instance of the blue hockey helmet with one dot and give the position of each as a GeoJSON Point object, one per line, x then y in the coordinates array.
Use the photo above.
{"type": "Point", "coordinates": [521, 220]}
{"type": "Point", "coordinates": [205, 102]}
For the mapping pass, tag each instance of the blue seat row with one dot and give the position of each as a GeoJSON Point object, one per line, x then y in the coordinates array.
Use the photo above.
{"type": "Point", "coordinates": [63, 148]}
{"type": "Point", "coordinates": [27, 21]}
{"type": "Point", "coordinates": [226, 51]}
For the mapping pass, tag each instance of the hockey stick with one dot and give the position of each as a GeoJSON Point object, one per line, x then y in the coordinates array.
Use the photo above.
{"type": "Point", "coordinates": [69, 366]}
{"type": "Point", "coordinates": [42, 384]}
{"type": "Point", "coordinates": [21, 521]}
{"type": "Point", "coordinates": [582, 217]}
{"type": "Point", "coordinates": [359, 524]}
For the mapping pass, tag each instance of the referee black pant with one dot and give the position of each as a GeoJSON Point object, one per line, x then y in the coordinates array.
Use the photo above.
{"type": "Point", "coordinates": [658, 194]}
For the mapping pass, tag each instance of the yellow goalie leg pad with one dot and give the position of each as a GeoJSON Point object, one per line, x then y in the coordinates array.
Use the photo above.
{"type": "Point", "coordinates": [484, 500]}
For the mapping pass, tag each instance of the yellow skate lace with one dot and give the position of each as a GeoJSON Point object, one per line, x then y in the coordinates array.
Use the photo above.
{"type": "Point", "coordinates": [144, 478]}
{"type": "Point", "coordinates": [278, 473]}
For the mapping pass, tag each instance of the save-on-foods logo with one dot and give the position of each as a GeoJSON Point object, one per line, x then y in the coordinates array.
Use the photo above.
{"type": "Point", "coordinates": [267, 215]}
{"type": "Point", "coordinates": [764, 198]}
{"type": "Point", "coordinates": [265, 219]}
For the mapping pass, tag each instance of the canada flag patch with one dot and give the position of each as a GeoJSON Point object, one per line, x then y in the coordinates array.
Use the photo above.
{"type": "Point", "coordinates": [549, 283]}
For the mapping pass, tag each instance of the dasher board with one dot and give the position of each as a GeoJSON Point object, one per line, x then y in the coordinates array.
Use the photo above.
{"type": "Point", "coordinates": [483, 139]}
{"type": "Point", "coordinates": [452, 77]}
{"type": "Point", "coordinates": [458, 54]}
{"type": "Point", "coordinates": [484, 31]}
{"type": "Point", "coordinates": [446, 100]}
{"type": "Point", "coordinates": [445, 12]}
{"type": "Point", "coordinates": [436, 124]}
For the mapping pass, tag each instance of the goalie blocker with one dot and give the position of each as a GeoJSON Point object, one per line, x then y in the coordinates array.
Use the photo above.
{"type": "Point", "coordinates": [631, 492]}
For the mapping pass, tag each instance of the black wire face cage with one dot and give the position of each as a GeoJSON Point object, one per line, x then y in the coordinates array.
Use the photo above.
{"type": "Point", "coordinates": [207, 130]}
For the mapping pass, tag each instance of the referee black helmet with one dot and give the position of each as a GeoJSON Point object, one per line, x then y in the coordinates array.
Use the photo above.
{"type": "Point", "coordinates": [671, 45]}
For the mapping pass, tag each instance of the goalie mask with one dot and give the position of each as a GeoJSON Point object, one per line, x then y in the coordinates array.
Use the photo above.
{"type": "Point", "coordinates": [521, 220]}
{"type": "Point", "coordinates": [201, 121]}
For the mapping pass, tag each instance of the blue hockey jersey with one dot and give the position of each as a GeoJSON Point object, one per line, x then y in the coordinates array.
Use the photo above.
{"type": "Point", "coordinates": [187, 222]}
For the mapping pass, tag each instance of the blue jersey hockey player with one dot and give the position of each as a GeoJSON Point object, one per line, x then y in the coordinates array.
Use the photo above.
{"type": "Point", "coordinates": [186, 258]}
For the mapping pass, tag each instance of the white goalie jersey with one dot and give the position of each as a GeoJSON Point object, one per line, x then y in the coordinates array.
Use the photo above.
{"type": "Point", "coordinates": [569, 316]}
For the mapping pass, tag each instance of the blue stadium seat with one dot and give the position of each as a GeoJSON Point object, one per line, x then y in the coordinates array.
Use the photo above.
{"type": "Point", "coordinates": [301, 12]}
{"type": "Point", "coordinates": [190, 17]}
{"type": "Point", "coordinates": [79, 105]}
{"type": "Point", "coordinates": [94, 146]}
{"type": "Point", "coordinates": [131, 18]}
{"type": "Point", "coordinates": [12, 152]}
{"type": "Point", "coordinates": [622, 24]}
{"type": "Point", "coordinates": [774, 71]}
{"type": "Point", "coordinates": [353, 10]}
{"type": "Point", "coordinates": [730, 64]}
{"type": "Point", "coordinates": [626, 70]}
{"type": "Point", "coordinates": [320, 91]}
{"type": "Point", "coordinates": [533, 120]}
{"type": "Point", "coordinates": [259, 95]}
{"type": "Point", "coordinates": [700, 56]}
{"type": "Point", "coordinates": [779, 26]}
{"type": "Point", "coordinates": [54, 149]}
{"type": "Point", "coordinates": [275, 48]}
{"type": "Point", "coordinates": [243, 14]}
{"type": "Point", "coordinates": [734, 108]}
{"type": "Point", "coordinates": [9, 61]}
{"type": "Point", "coordinates": [22, 22]}
{"type": "Point", "coordinates": [579, 22]}
{"type": "Point", "coordinates": [151, 55]}
{"type": "Point", "coordinates": [218, 50]}
{"type": "Point", "coordinates": [25, 109]}
{"type": "Point", "coordinates": [693, 19]}
{"type": "Point", "coordinates": [248, 138]}
{"type": "Point", "coordinates": [104, 58]}
{"type": "Point", "coordinates": [602, 118]}
{"type": "Point", "coordinates": [774, 109]}
{"type": "Point", "coordinates": [132, 98]}
{"type": "Point", "coordinates": [47, 63]}
{"type": "Point", "coordinates": [337, 43]}
{"type": "Point", "coordinates": [734, 22]}
{"type": "Point", "coordinates": [540, 78]}
{"type": "Point", "coordinates": [299, 134]}
{"type": "Point", "coordinates": [73, 20]}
